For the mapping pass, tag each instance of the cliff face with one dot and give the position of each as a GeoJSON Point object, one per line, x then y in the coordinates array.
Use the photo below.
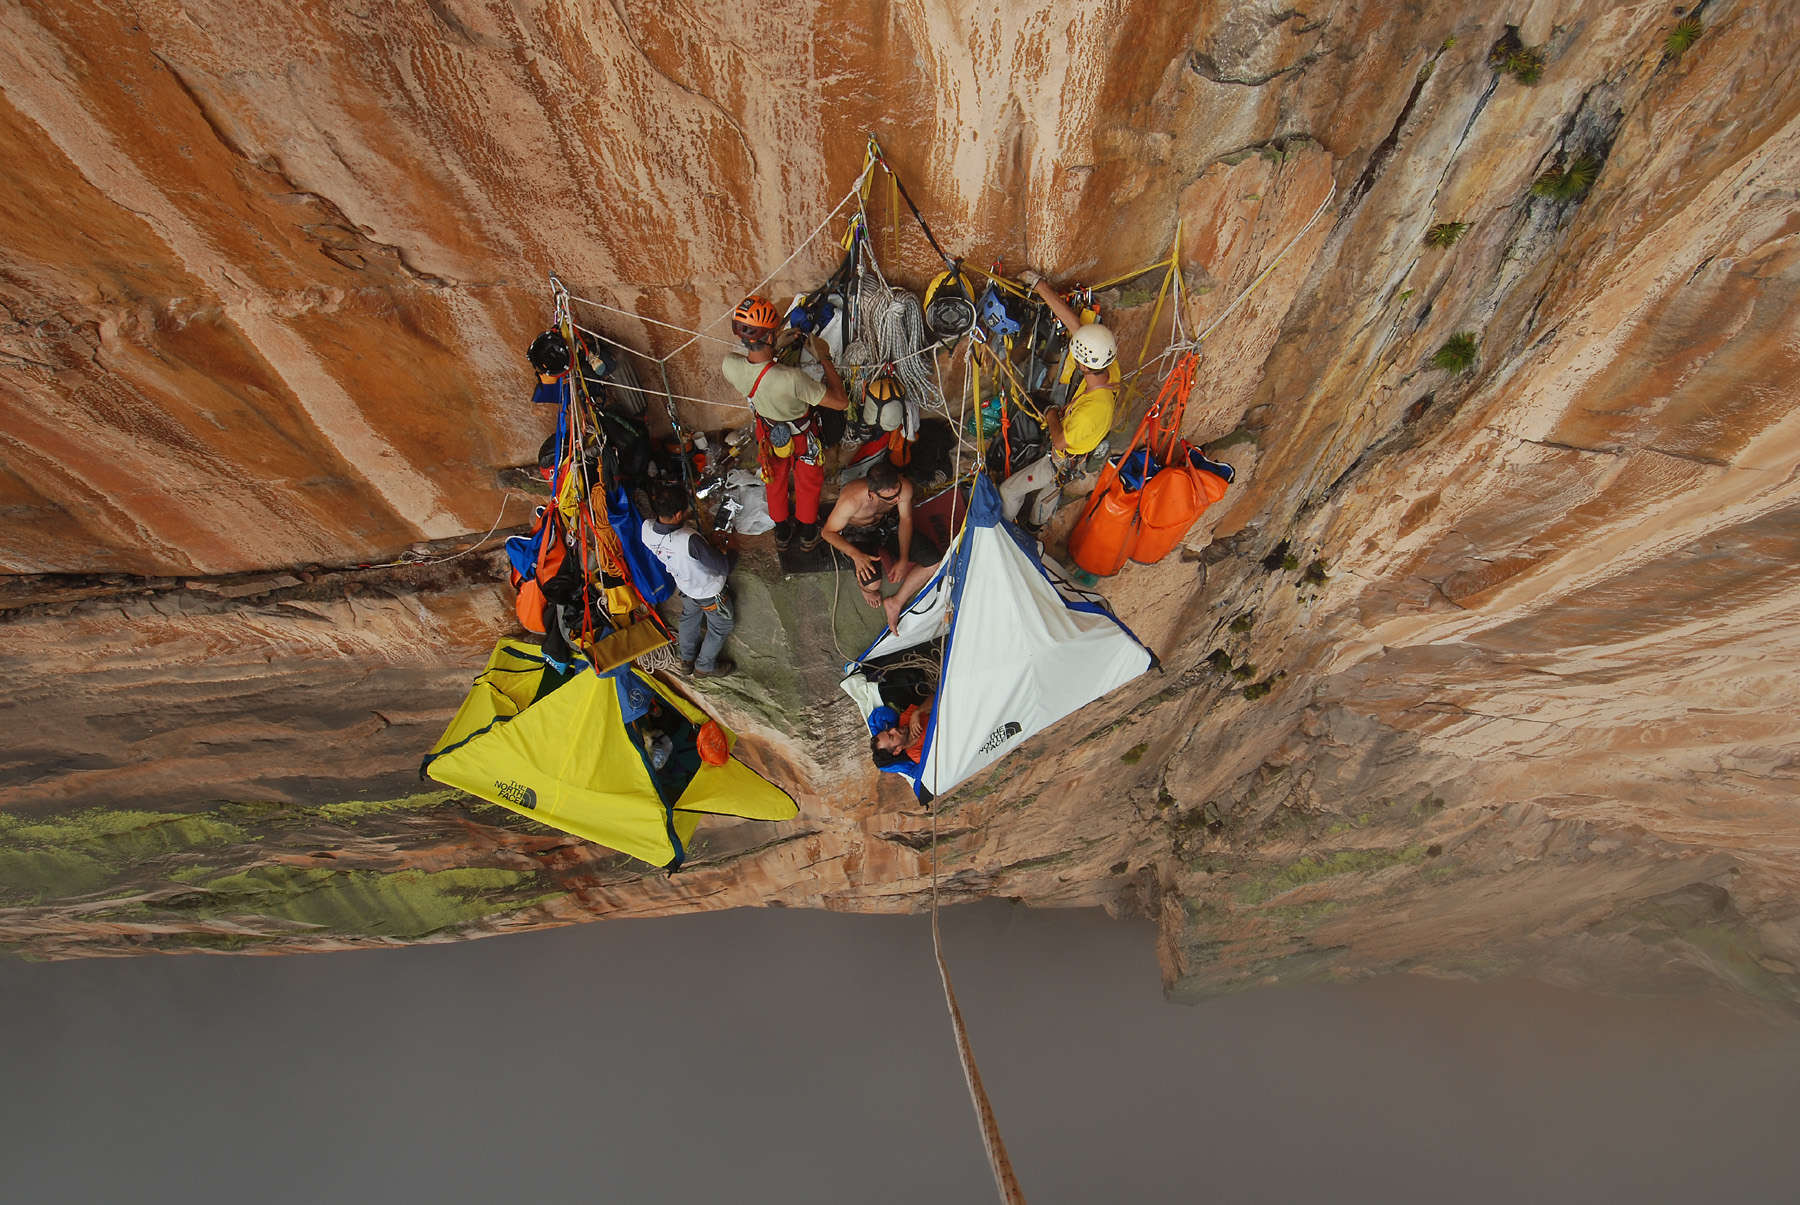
{"type": "Point", "coordinates": [1519, 638]}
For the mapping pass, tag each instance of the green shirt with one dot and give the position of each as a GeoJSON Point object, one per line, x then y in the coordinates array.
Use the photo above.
{"type": "Point", "coordinates": [784, 395]}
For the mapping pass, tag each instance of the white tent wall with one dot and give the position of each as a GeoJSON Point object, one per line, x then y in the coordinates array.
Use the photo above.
{"type": "Point", "coordinates": [1019, 655]}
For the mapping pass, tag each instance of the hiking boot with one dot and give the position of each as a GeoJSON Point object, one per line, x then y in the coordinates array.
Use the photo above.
{"type": "Point", "coordinates": [784, 534]}
{"type": "Point", "coordinates": [722, 668]}
{"type": "Point", "coordinates": [687, 668]}
{"type": "Point", "coordinates": [809, 536]}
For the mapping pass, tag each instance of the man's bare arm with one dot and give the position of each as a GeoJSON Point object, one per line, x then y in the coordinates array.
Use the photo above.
{"type": "Point", "coordinates": [1065, 315]}
{"type": "Point", "coordinates": [848, 504]}
{"type": "Point", "coordinates": [906, 527]}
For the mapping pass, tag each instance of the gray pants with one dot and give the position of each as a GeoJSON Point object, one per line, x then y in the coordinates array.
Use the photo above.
{"type": "Point", "coordinates": [1037, 483]}
{"type": "Point", "coordinates": [716, 624]}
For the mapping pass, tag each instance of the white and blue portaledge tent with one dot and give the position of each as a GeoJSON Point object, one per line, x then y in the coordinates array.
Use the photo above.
{"type": "Point", "coordinates": [1023, 647]}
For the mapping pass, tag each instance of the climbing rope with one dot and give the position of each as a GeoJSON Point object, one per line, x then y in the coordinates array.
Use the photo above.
{"type": "Point", "coordinates": [998, 1162]}
{"type": "Point", "coordinates": [1273, 264]}
{"type": "Point", "coordinates": [893, 335]}
{"type": "Point", "coordinates": [855, 191]}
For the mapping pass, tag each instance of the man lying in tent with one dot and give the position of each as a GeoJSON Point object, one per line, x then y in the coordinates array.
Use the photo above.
{"type": "Point", "coordinates": [870, 509]}
{"type": "Point", "coordinates": [900, 734]}
{"type": "Point", "coordinates": [1075, 428]}
{"type": "Point", "coordinates": [787, 429]}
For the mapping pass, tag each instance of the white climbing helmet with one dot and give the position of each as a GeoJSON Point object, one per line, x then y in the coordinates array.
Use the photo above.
{"type": "Point", "coordinates": [1094, 347]}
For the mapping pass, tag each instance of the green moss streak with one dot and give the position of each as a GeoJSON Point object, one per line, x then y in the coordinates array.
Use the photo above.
{"type": "Point", "coordinates": [1310, 870]}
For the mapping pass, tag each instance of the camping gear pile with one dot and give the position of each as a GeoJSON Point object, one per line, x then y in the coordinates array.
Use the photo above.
{"type": "Point", "coordinates": [576, 733]}
{"type": "Point", "coordinates": [585, 581]}
{"type": "Point", "coordinates": [571, 732]}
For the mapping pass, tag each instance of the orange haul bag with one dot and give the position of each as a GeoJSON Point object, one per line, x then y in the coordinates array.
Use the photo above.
{"type": "Point", "coordinates": [1108, 533]}
{"type": "Point", "coordinates": [1168, 506]}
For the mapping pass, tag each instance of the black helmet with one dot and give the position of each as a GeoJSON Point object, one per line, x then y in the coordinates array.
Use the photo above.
{"type": "Point", "coordinates": [950, 306]}
{"type": "Point", "coordinates": [549, 353]}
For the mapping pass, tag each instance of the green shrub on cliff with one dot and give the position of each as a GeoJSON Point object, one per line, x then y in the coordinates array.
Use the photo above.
{"type": "Point", "coordinates": [1687, 31]}
{"type": "Point", "coordinates": [1445, 234]}
{"type": "Point", "coordinates": [1510, 56]}
{"type": "Point", "coordinates": [1570, 183]}
{"type": "Point", "coordinates": [1457, 354]}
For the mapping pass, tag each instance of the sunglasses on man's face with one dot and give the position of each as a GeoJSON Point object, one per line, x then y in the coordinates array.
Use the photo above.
{"type": "Point", "coordinates": [887, 497]}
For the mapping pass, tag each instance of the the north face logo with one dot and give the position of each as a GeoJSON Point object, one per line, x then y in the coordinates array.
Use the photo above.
{"type": "Point", "coordinates": [1000, 736]}
{"type": "Point", "coordinates": [516, 794]}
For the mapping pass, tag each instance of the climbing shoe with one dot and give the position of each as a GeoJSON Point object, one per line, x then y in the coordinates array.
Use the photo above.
{"type": "Point", "coordinates": [809, 536]}
{"type": "Point", "coordinates": [784, 534]}
{"type": "Point", "coordinates": [724, 667]}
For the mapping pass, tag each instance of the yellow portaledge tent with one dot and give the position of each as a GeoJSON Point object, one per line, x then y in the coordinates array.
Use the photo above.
{"type": "Point", "coordinates": [572, 749]}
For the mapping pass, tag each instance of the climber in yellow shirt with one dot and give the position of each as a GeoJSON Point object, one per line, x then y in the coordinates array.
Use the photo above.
{"type": "Point", "coordinates": [1075, 428]}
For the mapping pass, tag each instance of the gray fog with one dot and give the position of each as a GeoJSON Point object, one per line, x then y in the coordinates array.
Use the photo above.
{"type": "Point", "coordinates": [778, 1056]}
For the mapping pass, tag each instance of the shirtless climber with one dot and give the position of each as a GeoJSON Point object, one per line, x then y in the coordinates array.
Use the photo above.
{"type": "Point", "coordinates": [1076, 428]}
{"type": "Point", "coordinates": [787, 429]}
{"type": "Point", "coordinates": [861, 517]}
{"type": "Point", "coordinates": [861, 520]}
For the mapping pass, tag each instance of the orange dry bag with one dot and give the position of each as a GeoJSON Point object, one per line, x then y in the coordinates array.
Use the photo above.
{"type": "Point", "coordinates": [1168, 506]}
{"type": "Point", "coordinates": [1115, 526]}
{"type": "Point", "coordinates": [529, 606]}
{"type": "Point", "coordinates": [1108, 533]}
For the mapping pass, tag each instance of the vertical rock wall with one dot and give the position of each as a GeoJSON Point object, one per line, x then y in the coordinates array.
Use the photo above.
{"type": "Point", "coordinates": [1488, 658]}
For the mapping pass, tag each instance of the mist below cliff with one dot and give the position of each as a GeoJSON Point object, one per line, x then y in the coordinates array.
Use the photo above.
{"type": "Point", "coordinates": [800, 1056]}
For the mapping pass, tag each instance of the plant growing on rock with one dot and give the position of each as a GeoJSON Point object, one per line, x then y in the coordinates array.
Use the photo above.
{"type": "Point", "coordinates": [1510, 56]}
{"type": "Point", "coordinates": [1445, 234]}
{"type": "Point", "coordinates": [1687, 31]}
{"type": "Point", "coordinates": [1568, 184]}
{"type": "Point", "coordinates": [1457, 354]}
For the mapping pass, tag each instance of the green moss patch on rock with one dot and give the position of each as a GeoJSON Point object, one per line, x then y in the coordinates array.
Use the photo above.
{"type": "Point", "coordinates": [407, 903]}
{"type": "Point", "coordinates": [1311, 869]}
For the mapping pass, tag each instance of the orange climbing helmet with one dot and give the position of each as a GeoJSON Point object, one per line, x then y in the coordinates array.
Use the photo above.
{"type": "Point", "coordinates": [714, 745]}
{"type": "Point", "coordinates": [755, 319]}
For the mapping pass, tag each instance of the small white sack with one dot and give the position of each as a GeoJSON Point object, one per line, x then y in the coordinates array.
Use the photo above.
{"type": "Point", "coordinates": [753, 516]}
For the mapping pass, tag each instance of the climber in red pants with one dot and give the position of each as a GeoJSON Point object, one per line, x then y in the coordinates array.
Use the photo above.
{"type": "Point", "coordinates": [787, 427]}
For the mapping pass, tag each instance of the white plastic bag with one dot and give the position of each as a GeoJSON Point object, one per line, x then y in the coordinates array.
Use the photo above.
{"type": "Point", "coordinates": [753, 513]}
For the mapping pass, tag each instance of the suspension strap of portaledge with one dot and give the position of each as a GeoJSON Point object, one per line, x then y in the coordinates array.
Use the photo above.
{"type": "Point", "coordinates": [900, 186]}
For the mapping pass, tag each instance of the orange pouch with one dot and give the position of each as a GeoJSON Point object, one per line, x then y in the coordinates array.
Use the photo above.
{"type": "Point", "coordinates": [1107, 535]}
{"type": "Point", "coordinates": [1171, 501]}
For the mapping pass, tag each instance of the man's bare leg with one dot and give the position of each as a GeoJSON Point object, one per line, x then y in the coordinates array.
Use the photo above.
{"type": "Point", "coordinates": [910, 585]}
